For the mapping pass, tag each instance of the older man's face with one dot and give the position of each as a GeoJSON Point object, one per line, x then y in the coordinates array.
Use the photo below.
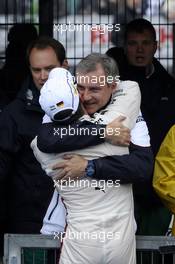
{"type": "Point", "coordinates": [94, 92]}
{"type": "Point", "coordinates": [140, 48]}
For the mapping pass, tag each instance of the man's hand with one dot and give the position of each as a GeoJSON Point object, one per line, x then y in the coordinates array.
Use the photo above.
{"type": "Point", "coordinates": [72, 168]}
{"type": "Point", "coordinates": [116, 133]}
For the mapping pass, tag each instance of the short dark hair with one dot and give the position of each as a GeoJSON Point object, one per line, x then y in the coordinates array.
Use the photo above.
{"type": "Point", "coordinates": [139, 26]}
{"type": "Point", "coordinates": [44, 42]}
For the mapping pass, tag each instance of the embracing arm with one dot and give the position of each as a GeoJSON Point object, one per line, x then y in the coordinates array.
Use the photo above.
{"type": "Point", "coordinates": [49, 138]}
{"type": "Point", "coordinates": [136, 167]}
{"type": "Point", "coordinates": [125, 102]}
{"type": "Point", "coordinates": [53, 138]}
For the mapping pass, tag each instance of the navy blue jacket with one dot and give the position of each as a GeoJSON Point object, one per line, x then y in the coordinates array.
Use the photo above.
{"type": "Point", "coordinates": [25, 191]}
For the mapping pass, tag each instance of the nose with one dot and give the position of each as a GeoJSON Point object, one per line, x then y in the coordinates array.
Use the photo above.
{"type": "Point", "coordinates": [85, 96]}
{"type": "Point", "coordinates": [139, 48]}
{"type": "Point", "coordinates": [43, 75]}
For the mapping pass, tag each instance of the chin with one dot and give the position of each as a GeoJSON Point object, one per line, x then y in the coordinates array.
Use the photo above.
{"type": "Point", "coordinates": [91, 111]}
{"type": "Point", "coordinates": [141, 64]}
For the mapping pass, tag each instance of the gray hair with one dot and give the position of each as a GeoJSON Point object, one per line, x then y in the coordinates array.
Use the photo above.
{"type": "Point", "coordinates": [90, 62]}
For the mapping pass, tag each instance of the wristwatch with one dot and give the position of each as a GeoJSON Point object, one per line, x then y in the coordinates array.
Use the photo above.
{"type": "Point", "coordinates": [90, 169]}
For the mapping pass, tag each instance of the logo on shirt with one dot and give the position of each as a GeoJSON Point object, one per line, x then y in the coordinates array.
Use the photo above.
{"type": "Point", "coordinates": [99, 189]}
{"type": "Point", "coordinates": [140, 119]}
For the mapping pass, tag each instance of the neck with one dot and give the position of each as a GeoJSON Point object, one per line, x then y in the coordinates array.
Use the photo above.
{"type": "Point", "coordinates": [149, 70]}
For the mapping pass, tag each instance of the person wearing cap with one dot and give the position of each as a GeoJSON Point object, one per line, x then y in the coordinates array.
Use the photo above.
{"type": "Point", "coordinates": [24, 191]}
{"type": "Point", "coordinates": [124, 101]}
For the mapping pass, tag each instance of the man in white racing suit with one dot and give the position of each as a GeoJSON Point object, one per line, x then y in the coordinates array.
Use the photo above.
{"type": "Point", "coordinates": [109, 212]}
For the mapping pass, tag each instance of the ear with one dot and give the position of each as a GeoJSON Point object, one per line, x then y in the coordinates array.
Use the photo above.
{"type": "Point", "coordinates": [65, 64]}
{"type": "Point", "coordinates": [113, 86]}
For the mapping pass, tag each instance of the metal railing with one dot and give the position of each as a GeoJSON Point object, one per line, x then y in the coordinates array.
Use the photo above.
{"type": "Point", "coordinates": [64, 20]}
{"type": "Point", "coordinates": [153, 248]}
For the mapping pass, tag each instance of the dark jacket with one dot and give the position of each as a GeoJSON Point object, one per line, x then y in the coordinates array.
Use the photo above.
{"type": "Point", "coordinates": [25, 191]}
{"type": "Point", "coordinates": [3, 100]}
{"type": "Point", "coordinates": [158, 95]}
